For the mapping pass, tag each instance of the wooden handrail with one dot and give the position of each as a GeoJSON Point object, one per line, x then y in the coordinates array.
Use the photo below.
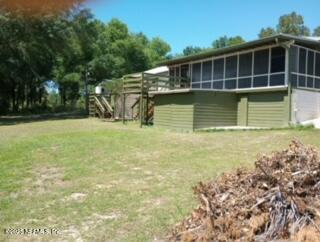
{"type": "Point", "coordinates": [100, 106]}
{"type": "Point", "coordinates": [107, 105]}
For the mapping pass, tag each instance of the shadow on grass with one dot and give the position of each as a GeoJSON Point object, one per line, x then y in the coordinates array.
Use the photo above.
{"type": "Point", "coordinates": [13, 120]}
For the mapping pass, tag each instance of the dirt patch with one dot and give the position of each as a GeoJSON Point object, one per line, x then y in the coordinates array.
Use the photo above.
{"type": "Point", "coordinates": [151, 156]}
{"type": "Point", "coordinates": [152, 204]}
{"type": "Point", "coordinates": [104, 186]}
{"type": "Point", "coordinates": [88, 224]}
{"type": "Point", "coordinates": [75, 197]}
{"type": "Point", "coordinates": [156, 202]}
{"type": "Point", "coordinates": [79, 197]}
{"type": "Point", "coordinates": [72, 232]}
{"type": "Point", "coordinates": [136, 168]}
{"type": "Point", "coordinates": [49, 178]}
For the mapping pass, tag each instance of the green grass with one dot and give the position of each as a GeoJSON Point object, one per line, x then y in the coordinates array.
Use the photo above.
{"type": "Point", "coordinates": [133, 184]}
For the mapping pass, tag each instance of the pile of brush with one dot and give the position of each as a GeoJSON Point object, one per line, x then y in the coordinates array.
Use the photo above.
{"type": "Point", "coordinates": [279, 200]}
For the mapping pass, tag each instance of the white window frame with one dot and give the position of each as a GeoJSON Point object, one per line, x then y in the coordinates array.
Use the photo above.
{"type": "Point", "coordinates": [306, 75]}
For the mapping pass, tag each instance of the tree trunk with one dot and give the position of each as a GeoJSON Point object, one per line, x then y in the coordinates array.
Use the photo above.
{"type": "Point", "coordinates": [13, 96]}
{"type": "Point", "coordinates": [26, 95]}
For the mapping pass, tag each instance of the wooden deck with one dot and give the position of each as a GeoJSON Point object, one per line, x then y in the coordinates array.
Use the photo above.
{"type": "Point", "coordinates": [144, 84]}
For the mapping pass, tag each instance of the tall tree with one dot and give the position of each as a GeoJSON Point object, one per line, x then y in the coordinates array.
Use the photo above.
{"type": "Point", "coordinates": [316, 31]}
{"type": "Point", "coordinates": [292, 23]}
{"type": "Point", "coordinates": [65, 47]}
{"type": "Point", "coordinates": [189, 50]}
{"type": "Point", "coordinates": [235, 40]}
{"type": "Point", "coordinates": [267, 32]}
{"type": "Point", "coordinates": [28, 47]}
{"type": "Point", "coordinates": [224, 41]}
{"type": "Point", "coordinates": [157, 49]}
{"type": "Point", "coordinates": [121, 52]}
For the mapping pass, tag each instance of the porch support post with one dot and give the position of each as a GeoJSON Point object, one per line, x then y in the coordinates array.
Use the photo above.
{"type": "Point", "coordinates": [141, 100]}
{"type": "Point", "coordinates": [123, 107]}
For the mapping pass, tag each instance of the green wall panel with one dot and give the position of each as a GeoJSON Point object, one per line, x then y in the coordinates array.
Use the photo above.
{"type": "Point", "coordinates": [200, 109]}
{"type": "Point", "coordinates": [174, 111]}
{"type": "Point", "coordinates": [242, 113]}
{"type": "Point", "coordinates": [267, 109]}
{"type": "Point", "coordinates": [214, 109]}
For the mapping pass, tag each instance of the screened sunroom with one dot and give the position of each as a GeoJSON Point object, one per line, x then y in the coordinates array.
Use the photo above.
{"type": "Point", "coordinates": [305, 72]}
{"type": "Point", "coordinates": [260, 67]}
{"type": "Point", "coordinates": [258, 64]}
{"type": "Point", "coordinates": [270, 82]}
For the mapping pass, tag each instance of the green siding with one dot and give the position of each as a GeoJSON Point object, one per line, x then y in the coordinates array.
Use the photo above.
{"type": "Point", "coordinates": [242, 112]}
{"type": "Point", "coordinates": [214, 109]}
{"type": "Point", "coordinates": [174, 111]}
{"type": "Point", "coordinates": [201, 109]}
{"type": "Point", "coordinates": [267, 109]}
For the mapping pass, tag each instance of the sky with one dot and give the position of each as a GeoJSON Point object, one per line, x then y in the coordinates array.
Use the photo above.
{"type": "Point", "coordinates": [198, 22]}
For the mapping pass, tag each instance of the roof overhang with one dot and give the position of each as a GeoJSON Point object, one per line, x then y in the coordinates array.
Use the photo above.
{"type": "Point", "coordinates": [171, 91]}
{"type": "Point", "coordinates": [276, 39]}
{"type": "Point", "coordinates": [247, 90]}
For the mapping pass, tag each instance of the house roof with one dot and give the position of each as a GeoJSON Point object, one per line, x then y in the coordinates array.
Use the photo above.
{"type": "Point", "coordinates": [305, 41]}
{"type": "Point", "coordinates": [158, 70]}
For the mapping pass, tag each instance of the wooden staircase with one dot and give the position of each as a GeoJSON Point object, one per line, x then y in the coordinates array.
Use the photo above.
{"type": "Point", "coordinates": [99, 106]}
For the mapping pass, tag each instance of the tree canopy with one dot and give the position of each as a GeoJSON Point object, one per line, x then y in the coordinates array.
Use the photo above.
{"type": "Point", "coordinates": [266, 32]}
{"type": "Point", "coordinates": [189, 50]}
{"type": "Point", "coordinates": [224, 41]}
{"type": "Point", "coordinates": [316, 31]}
{"type": "Point", "coordinates": [292, 23]}
{"type": "Point", "coordinates": [64, 47]}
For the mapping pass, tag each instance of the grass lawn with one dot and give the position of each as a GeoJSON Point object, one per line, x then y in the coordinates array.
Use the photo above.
{"type": "Point", "coordinates": [98, 181]}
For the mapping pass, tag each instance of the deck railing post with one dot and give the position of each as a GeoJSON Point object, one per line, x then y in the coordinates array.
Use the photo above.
{"type": "Point", "coordinates": [141, 100]}
{"type": "Point", "coordinates": [147, 109]}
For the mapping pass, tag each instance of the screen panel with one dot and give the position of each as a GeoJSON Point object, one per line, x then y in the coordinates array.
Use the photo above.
{"type": "Point", "coordinates": [277, 80]}
{"type": "Point", "coordinates": [301, 81]}
{"type": "Point", "coordinates": [310, 82]}
{"type": "Point", "coordinates": [185, 71]}
{"type": "Point", "coordinates": [260, 81]}
{"type": "Point", "coordinates": [261, 62]}
{"type": "Point", "coordinates": [218, 69]}
{"type": "Point", "coordinates": [207, 71]}
{"type": "Point", "coordinates": [231, 66]}
{"type": "Point", "coordinates": [245, 64]}
{"type": "Point", "coordinates": [231, 84]}
{"type": "Point", "coordinates": [310, 65]}
{"type": "Point", "coordinates": [206, 85]}
{"type": "Point", "coordinates": [317, 71]}
{"type": "Point", "coordinates": [278, 59]}
{"type": "Point", "coordinates": [196, 72]}
{"type": "Point", "coordinates": [302, 60]}
{"type": "Point", "coordinates": [244, 83]}
{"type": "Point", "coordinates": [195, 85]}
{"type": "Point", "coordinates": [217, 85]}
{"type": "Point", "coordinates": [317, 83]}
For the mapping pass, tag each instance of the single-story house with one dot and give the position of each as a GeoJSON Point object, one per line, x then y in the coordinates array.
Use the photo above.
{"type": "Point", "coordinates": [270, 82]}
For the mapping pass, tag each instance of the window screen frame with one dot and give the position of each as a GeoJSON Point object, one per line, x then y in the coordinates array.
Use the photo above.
{"type": "Point", "coordinates": [220, 61]}
{"type": "Point", "coordinates": [307, 79]}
